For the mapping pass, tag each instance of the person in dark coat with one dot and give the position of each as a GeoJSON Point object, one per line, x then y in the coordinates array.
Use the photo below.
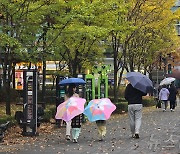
{"type": "Point", "coordinates": [134, 98]}
{"type": "Point", "coordinates": [172, 97]}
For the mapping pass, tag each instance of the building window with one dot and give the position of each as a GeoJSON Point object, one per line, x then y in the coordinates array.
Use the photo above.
{"type": "Point", "coordinates": [178, 28]}
{"type": "Point", "coordinates": [177, 3]}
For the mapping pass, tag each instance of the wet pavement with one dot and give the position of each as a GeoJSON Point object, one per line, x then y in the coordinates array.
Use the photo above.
{"type": "Point", "coordinates": [159, 134]}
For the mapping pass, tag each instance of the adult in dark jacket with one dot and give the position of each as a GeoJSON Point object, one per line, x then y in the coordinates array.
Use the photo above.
{"type": "Point", "coordinates": [134, 98]}
{"type": "Point", "coordinates": [172, 97]}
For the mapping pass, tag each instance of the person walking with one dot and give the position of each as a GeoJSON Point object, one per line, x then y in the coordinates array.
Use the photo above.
{"type": "Point", "coordinates": [134, 98]}
{"type": "Point", "coordinates": [172, 97]}
{"type": "Point", "coordinates": [76, 127]}
{"type": "Point", "coordinates": [70, 92]}
{"type": "Point", "coordinates": [163, 96]}
{"type": "Point", "coordinates": [101, 125]}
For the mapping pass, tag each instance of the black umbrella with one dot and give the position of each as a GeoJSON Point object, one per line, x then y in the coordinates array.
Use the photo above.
{"type": "Point", "coordinates": [140, 81]}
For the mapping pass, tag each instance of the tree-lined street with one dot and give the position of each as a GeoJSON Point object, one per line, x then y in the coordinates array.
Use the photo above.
{"type": "Point", "coordinates": [160, 134]}
{"type": "Point", "coordinates": [138, 35]}
{"type": "Point", "coordinates": [99, 41]}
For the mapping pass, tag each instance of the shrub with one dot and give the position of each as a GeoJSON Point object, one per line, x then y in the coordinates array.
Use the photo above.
{"type": "Point", "coordinates": [121, 107]}
{"type": "Point", "coordinates": [50, 96]}
{"type": "Point", "coordinates": [53, 110]}
{"type": "Point", "coordinates": [47, 115]}
{"type": "Point", "coordinates": [13, 94]}
{"type": "Point", "coordinates": [121, 92]}
{"type": "Point", "coordinates": [6, 118]}
{"type": "Point", "coordinates": [119, 99]}
{"type": "Point", "coordinates": [148, 101]}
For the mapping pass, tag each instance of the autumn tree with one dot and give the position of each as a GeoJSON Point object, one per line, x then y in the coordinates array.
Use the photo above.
{"type": "Point", "coordinates": [17, 38]}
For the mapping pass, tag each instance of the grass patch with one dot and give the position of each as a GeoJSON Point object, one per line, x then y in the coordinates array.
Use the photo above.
{"type": "Point", "coordinates": [14, 108]}
{"type": "Point", "coordinates": [49, 112]}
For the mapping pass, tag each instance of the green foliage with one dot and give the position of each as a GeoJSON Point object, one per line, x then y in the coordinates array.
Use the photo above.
{"type": "Point", "coordinates": [148, 101]}
{"type": "Point", "coordinates": [50, 96]}
{"type": "Point", "coordinates": [53, 111]}
{"type": "Point", "coordinates": [155, 31]}
{"type": "Point", "coordinates": [121, 107]}
{"type": "Point", "coordinates": [4, 119]}
{"type": "Point", "coordinates": [78, 32]}
{"type": "Point", "coordinates": [13, 95]}
{"type": "Point", "coordinates": [120, 92]}
{"type": "Point", "coordinates": [47, 115]}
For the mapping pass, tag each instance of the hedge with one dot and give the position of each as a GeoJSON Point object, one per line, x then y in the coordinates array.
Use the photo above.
{"type": "Point", "coordinates": [6, 118]}
{"type": "Point", "coordinates": [148, 101]}
{"type": "Point", "coordinates": [14, 95]}
{"type": "Point", "coordinates": [122, 107]}
{"type": "Point", "coordinates": [48, 114]}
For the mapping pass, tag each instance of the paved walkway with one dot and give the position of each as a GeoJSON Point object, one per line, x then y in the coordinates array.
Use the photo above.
{"type": "Point", "coordinates": [160, 134]}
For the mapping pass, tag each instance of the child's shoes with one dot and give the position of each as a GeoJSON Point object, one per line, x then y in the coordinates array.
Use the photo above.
{"type": "Point", "coordinates": [74, 140]}
{"type": "Point", "coordinates": [68, 137]}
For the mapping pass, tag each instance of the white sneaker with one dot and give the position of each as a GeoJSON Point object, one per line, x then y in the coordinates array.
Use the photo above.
{"type": "Point", "coordinates": [75, 141]}
{"type": "Point", "coordinates": [68, 137]}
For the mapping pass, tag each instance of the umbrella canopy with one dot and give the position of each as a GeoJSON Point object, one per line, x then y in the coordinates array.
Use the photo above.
{"type": "Point", "coordinates": [99, 109]}
{"type": "Point", "coordinates": [72, 80]}
{"type": "Point", "coordinates": [174, 74]}
{"type": "Point", "coordinates": [140, 81]}
{"type": "Point", "coordinates": [70, 108]}
{"type": "Point", "coordinates": [167, 81]}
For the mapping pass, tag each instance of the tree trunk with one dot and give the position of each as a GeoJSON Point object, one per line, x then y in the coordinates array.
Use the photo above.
{"type": "Point", "coordinates": [115, 91]}
{"type": "Point", "coordinates": [8, 96]}
{"type": "Point", "coordinates": [6, 82]}
{"type": "Point", "coordinates": [74, 69]}
{"type": "Point", "coordinates": [44, 82]}
{"type": "Point", "coordinates": [44, 68]}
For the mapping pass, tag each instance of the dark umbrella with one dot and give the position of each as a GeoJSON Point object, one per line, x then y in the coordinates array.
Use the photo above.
{"type": "Point", "coordinates": [174, 74]}
{"type": "Point", "coordinates": [72, 81]}
{"type": "Point", "coordinates": [140, 81]}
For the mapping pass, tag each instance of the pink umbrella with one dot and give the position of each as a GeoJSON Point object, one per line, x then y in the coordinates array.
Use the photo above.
{"type": "Point", "coordinates": [70, 108]}
{"type": "Point", "coordinates": [99, 109]}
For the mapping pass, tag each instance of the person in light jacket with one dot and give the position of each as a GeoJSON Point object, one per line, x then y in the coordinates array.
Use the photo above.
{"type": "Point", "coordinates": [163, 96]}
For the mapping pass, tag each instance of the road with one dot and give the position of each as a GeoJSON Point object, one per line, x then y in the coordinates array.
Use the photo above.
{"type": "Point", "coordinates": [160, 134]}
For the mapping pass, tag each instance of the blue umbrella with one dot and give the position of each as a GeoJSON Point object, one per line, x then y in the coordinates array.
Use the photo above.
{"type": "Point", "coordinates": [72, 81]}
{"type": "Point", "coordinates": [140, 81]}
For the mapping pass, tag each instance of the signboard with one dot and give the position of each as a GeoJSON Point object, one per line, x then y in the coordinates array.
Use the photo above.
{"type": "Point", "coordinates": [19, 80]}
{"type": "Point", "coordinates": [29, 95]}
{"type": "Point", "coordinates": [30, 102]}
